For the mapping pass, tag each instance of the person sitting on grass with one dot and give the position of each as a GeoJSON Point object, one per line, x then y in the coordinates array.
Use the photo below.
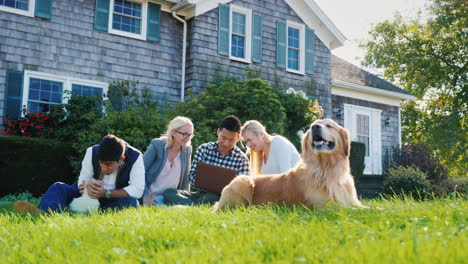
{"type": "Point", "coordinates": [269, 154]}
{"type": "Point", "coordinates": [119, 168]}
{"type": "Point", "coordinates": [224, 153]}
{"type": "Point", "coordinates": [167, 161]}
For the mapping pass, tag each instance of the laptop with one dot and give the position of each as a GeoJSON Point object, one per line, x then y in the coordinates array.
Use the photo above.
{"type": "Point", "coordinates": [213, 178]}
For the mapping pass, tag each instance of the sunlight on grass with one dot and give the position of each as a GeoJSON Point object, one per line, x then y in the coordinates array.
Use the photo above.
{"type": "Point", "coordinates": [392, 231]}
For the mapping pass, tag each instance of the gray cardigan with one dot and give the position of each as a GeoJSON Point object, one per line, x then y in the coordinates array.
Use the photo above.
{"type": "Point", "coordinates": [155, 157]}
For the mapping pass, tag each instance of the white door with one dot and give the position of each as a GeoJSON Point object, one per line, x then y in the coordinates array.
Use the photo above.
{"type": "Point", "coordinates": [364, 126]}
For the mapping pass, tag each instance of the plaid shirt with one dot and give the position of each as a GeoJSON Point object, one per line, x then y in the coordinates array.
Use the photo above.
{"type": "Point", "coordinates": [209, 153]}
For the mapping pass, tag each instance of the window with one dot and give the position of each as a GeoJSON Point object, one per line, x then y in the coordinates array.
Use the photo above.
{"type": "Point", "coordinates": [20, 7]}
{"type": "Point", "coordinates": [240, 34]}
{"type": "Point", "coordinates": [128, 18]}
{"type": "Point", "coordinates": [42, 91]}
{"type": "Point", "coordinates": [362, 130]}
{"type": "Point", "coordinates": [295, 47]}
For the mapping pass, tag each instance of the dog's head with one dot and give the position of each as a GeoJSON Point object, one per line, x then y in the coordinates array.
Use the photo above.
{"type": "Point", "coordinates": [325, 136]}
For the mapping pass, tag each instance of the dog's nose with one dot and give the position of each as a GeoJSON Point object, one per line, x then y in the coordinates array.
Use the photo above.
{"type": "Point", "coordinates": [316, 127]}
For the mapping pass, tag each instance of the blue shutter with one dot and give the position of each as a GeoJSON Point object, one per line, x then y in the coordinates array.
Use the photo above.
{"type": "Point", "coordinates": [101, 15]}
{"type": "Point", "coordinates": [14, 93]}
{"type": "Point", "coordinates": [43, 9]}
{"type": "Point", "coordinates": [223, 29]}
{"type": "Point", "coordinates": [257, 37]}
{"type": "Point", "coordinates": [280, 44]}
{"type": "Point", "coordinates": [154, 22]}
{"type": "Point", "coordinates": [309, 50]}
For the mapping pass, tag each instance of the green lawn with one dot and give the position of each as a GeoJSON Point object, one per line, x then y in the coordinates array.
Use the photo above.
{"type": "Point", "coordinates": [392, 231]}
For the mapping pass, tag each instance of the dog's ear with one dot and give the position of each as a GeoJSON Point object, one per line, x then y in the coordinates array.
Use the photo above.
{"type": "Point", "coordinates": [306, 143]}
{"type": "Point", "coordinates": [344, 134]}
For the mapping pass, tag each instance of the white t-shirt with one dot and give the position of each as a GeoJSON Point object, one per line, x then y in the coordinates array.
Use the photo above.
{"type": "Point", "coordinates": [282, 157]}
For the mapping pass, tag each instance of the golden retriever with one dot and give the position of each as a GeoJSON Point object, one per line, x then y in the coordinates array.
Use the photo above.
{"type": "Point", "coordinates": [322, 175]}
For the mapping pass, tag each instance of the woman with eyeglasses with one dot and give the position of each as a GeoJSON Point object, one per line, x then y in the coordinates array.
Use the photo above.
{"type": "Point", "coordinates": [167, 161]}
{"type": "Point", "coordinates": [269, 154]}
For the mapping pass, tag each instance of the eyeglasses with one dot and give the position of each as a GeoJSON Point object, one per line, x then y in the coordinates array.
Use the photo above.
{"type": "Point", "coordinates": [186, 135]}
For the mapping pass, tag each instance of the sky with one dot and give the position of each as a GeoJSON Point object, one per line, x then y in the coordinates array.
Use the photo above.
{"type": "Point", "coordinates": [354, 18]}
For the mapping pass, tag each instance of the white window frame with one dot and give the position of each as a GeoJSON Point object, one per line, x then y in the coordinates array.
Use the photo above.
{"type": "Point", "coordinates": [301, 28]}
{"type": "Point", "coordinates": [375, 149]}
{"type": "Point", "coordinates": [67, 84]}
{"type": "Point", "coordinates": [29, 12]}
{"type": "Point", "coordinates": [248, 33]}
{"type": "Point", "coordinates": [144, 18]}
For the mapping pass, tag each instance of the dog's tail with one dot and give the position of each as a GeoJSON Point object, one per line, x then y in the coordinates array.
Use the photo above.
{"type": "Point", "coordinates": [238, 192]}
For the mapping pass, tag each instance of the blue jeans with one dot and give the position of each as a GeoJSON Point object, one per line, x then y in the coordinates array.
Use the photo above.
{"type": "Point", "coordinates": [59, 196]}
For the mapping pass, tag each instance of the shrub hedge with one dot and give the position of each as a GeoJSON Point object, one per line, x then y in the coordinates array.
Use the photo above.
{"type": "Point", "coordinates": [356, 160]}
{"type": "Point", "coordinates": [410, 181]}
{"type": "Point", "coordinates": [33, 164]}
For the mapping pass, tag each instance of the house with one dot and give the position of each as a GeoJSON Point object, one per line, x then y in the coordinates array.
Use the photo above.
{"type": "Point", "coordinates": [50, 47]}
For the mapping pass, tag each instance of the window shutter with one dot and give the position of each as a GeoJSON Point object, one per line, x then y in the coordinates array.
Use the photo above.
{"type": "Point", "coordinates": [43, 9]}
{"type": "Point", "coordinates": [257, 37]}
{"type": "Point", "coordinates": [14, 93]}
{"type": "Point", "coordinates": [309, 50]}
{"type": "Point", "coordinates": [280, 44]}
{"type": "Point", "coordinates": [223, 29]}
{"type": "Point", "coordinates": [101, 15]}
{"type": "Point", "coordinates": [154, 22]}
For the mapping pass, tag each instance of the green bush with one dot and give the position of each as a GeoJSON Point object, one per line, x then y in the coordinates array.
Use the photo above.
{"type": "Point", "coordinates": [33, 164]}
{"type": "Point", "coordinates": [458, 185]}
{"type": "Point", "coordinates": [410, 181]}
{"type": "Point", "coordinates": [356, 160]}
{"type": "Point", "coordinates": [280, 113]}
{"type": "Point", "coordinates": [131, 114]}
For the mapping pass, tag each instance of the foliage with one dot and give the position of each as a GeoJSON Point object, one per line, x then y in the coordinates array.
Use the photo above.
{"type": "Point", "coordinates": [356, 160]}
{"type": "Point", "coordinates": [300, 113]}
{"type": "Point", "coordinates": [249, 99]}
{"type": "Point", "coordinates": [429, 58]}
{"type": "Point", "coordinates": [407, 181]}
{"type": "Point", "coordinates": [33, 164]}
{"type": "Point", "coordinates": [131, 114]}
{"type": "Point", "coordinates": [392, 231]}
{"type": "Point", "coordinates": [419, 156]}
{"type": "Point", "coordinates": [33, 124]}
{"type": "Point", "coordinates": [458, 185]}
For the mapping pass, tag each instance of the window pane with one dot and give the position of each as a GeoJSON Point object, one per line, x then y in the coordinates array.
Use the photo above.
{"type": "Point", "coordinates": [237, 46]}
{"type": "Point", "coordinates": [127, 16]}
{"type": "Point", "coordinates": [293, 59]}
{"type": "Point", "coordinates": [83, 90]}
{"type": "Point", "coordinates": [362, 129]}
{"type": "Point", "coordinates": [293, 37]}
{"type": "Point", "coordinates": [18, 4]}
{"type": "Point", "coordinates": [43, 94]}
{"type": "Point", "coordinates": [238, 23]}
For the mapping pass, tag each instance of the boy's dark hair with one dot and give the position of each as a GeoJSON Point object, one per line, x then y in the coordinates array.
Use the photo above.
{"type": "Point", "coordinates": [231, 123]}
{"type": "Point", "coordinates": [111, 148]}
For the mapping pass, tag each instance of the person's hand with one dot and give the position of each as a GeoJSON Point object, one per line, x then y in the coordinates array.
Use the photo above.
{"type": "Point", "coordinates": [149, 200]}
{"type": "Point", "coordinates": [96, 190]}
{"type": "Point", "coordinates": [81, 187]}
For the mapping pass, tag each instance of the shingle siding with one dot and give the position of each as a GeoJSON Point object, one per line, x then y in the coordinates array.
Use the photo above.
{"type": "Point", "coordinates": [68, 45]}
{"type": "Point", "coordinates": [204, 63]}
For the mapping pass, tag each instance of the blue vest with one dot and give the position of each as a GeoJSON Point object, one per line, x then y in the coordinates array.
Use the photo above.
{"type": "Point", "coordinates": [123, 175]}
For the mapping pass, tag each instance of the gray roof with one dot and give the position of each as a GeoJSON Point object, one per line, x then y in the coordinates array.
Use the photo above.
{"type": "Point", "coordinates": [347, 72]}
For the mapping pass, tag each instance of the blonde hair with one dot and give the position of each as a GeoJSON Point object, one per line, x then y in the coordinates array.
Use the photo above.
{"type": "Point", "coordinates": [177, 122]}
{"type": "Point", "coordinates": [257, 158]}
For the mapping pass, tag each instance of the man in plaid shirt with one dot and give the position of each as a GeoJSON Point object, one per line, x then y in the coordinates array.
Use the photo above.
{"type": "Point", "coordinates": [223, 152]}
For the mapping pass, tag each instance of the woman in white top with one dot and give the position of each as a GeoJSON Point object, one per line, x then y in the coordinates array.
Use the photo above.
{"type": "Point", "coordinates": [167, 161]}
{"type": "Point", "coordinates": [269, 154]}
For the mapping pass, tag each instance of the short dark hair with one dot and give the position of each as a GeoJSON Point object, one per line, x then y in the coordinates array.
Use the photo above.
{"type": "Point", "coordinates": [111, 148]}
{"type": "Point", "coordinates": [231, 123]}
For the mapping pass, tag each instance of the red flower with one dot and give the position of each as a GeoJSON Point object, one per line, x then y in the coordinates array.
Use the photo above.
{"type": "Point", "coordinates": [25, 111]}
{"type": "Point", "coordinates": [39, 127]}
